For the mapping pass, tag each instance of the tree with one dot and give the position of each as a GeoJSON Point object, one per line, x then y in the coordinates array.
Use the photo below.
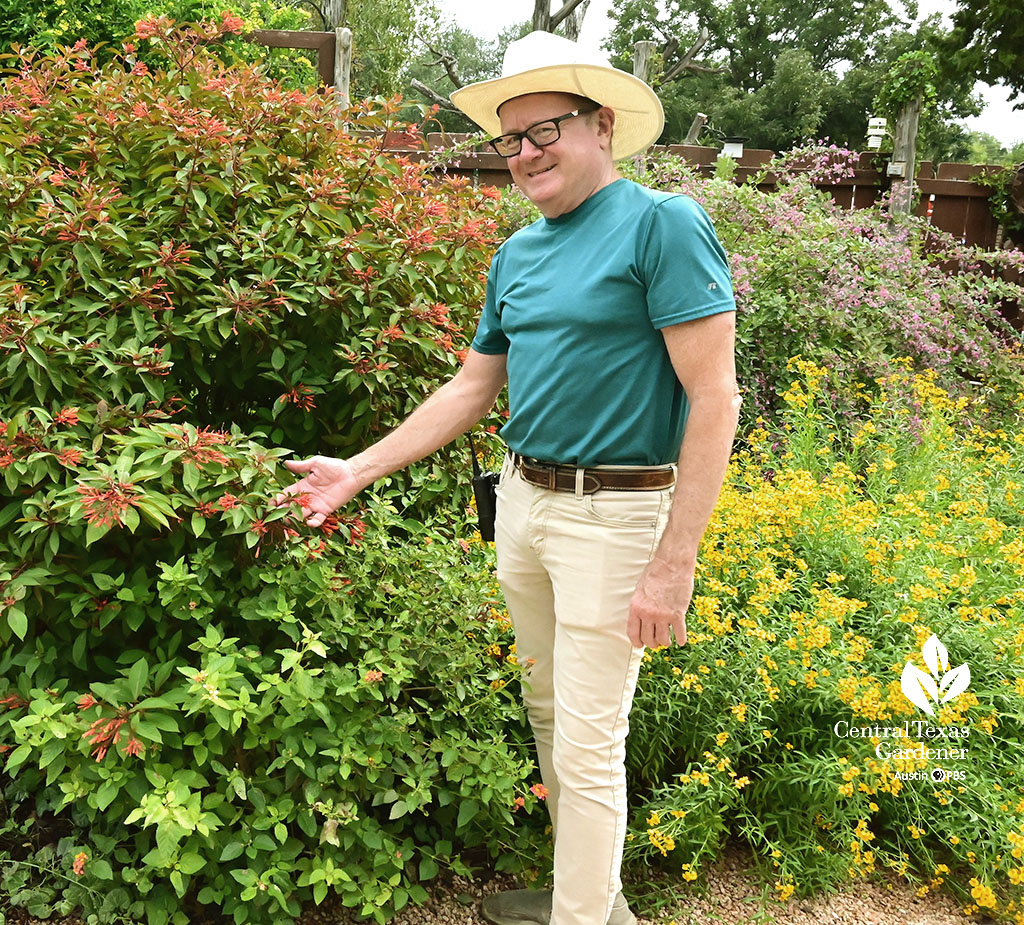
{"type": "Point", "coordinates": [383, 38]}
{"type": "Point", "coordinates": [984, 148]}
{"type": "Point", "coordinates": [749, 37]}
{"type": "Point", "coordinates": [770, 95]}
{"type": "Point", "coordinates": [987, 43]}
{"type": "Point", "coordinates": [450, 57]}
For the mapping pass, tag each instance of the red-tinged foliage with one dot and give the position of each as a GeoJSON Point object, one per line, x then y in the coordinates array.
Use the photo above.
{"type": "Point", "coordinates": [202, 272]}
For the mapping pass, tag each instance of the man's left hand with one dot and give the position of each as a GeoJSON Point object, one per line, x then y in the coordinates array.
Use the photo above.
{"type": "Point", "coordinates": [659, 604]}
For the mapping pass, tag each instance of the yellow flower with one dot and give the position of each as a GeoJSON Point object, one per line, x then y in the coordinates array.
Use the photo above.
{"type": "Point", "coordinates": [664, 843]}
{"type": "Point", "coordinates": [983, 895]}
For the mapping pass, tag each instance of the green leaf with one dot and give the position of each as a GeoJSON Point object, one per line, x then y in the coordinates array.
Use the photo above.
{"type": "Point", "coordinates": [17, 621]}
{"type": "Point", "coordinates": [137, 677]}
{"type": "Point", "coordinates": [95, 531]}
{"type": "Point", "coordinates": [50, 751]}
{"type": "Point", "coordinates": [245, 877]}
{"type": "Point", "coordinates": [264, 842]}
{"type": "Point", "coordinates": [106, 794]}
{"type": "Point", "coordinates": [428, 869]}
{"type": "Point", "coordinates": [165, 721]}
{"type": "Point", "coordinates": [191, 863]}
{"type": "Point", "coordinates": [100, 869]}
{"type": "Point", "coordinates": [231, 851]}
{"type": "Point", "coordinates": [467, 811]}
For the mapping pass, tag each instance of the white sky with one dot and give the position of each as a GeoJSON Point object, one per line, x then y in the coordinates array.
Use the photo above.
{"type": "Point", "coordinates": [489, 18]}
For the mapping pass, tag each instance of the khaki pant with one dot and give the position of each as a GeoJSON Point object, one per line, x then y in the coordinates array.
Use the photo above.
{"type": "Point", "coordinates": [568, 564]}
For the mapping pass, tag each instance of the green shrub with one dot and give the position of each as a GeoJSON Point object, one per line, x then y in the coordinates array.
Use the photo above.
{"type": "Point", "coordinates": [204, 236]}
{"type": "Point", "coordinates": [205, 703]}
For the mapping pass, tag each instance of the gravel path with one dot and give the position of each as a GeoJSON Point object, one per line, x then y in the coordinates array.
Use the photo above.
{"type": "Point", "coordinates": [732, 898]}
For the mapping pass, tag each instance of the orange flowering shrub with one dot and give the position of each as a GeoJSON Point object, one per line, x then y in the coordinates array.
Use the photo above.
{"type": "Point", "coordinates": [202, 702]}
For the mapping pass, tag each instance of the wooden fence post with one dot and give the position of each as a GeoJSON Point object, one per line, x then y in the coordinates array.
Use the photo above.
{"type": "Point", "coordinates": [695, 127]}
{"type": "Point", "coordinates": [904, 152]}
{"type": "Point", "coordinates": [342, 65]}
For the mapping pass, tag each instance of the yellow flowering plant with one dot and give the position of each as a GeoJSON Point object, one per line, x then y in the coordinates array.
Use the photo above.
{"type": "Point", "coordinates": [841, 556]}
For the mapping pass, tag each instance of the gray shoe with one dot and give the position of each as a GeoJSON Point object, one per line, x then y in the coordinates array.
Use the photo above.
{"type": "Point", "coordinates": [533, 907]}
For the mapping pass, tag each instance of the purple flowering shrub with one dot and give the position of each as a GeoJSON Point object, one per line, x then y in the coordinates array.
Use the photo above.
{"type": "Point", "coordinates": [852, 290]}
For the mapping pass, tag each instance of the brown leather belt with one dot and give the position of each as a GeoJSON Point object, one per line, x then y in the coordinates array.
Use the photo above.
{"type": "Point", "coordinates": [622, 478]}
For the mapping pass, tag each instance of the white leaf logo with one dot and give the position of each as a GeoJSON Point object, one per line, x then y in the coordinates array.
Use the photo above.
{"type": "Point", "coordinates": [957, 679]}
{"type": "Point", "coordinates": [935, 656]}
{"type": "Point", "coordinates": [941, 686]}
{"type": "Point", "coordinates": [918, 686]}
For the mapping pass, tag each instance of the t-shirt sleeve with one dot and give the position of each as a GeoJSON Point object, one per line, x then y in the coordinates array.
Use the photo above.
{"type": "Point", "coordinates": [683, 264]}
{"type": "Point", "coordinates": [490, 338]}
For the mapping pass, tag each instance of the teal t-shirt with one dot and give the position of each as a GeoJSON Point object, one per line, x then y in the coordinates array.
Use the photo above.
{"type": "Point", "coordinates": [577, 302]}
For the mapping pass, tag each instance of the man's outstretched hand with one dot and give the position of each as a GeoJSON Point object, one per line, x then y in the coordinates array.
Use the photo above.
{"type": "Point", "coordinates": [328, 484]}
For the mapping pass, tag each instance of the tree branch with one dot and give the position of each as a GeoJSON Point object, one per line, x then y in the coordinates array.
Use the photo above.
{"type": "Point", "coordinates": [556, 18]}
{"type": "Point", "coordinates": [434, 96]}
{"type": "Point", "coordinates": [449, 62]}
{"type": "Point", "coordinates": [686, 62]}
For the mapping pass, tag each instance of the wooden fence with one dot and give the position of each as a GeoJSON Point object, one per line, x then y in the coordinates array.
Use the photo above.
{"type": "Point", "coordinates": [949, 200]}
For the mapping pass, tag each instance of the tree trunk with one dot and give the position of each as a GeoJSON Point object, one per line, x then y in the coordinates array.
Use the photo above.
{"type": "Point", "coordinates": [342, 66]}
{"type": "Point", "coordinates": [546, 21]}
{"type": "Point", "coordinates": [574, 21]}
{"type": "Point", "coordinates": [542, 15]}
{"type": "Point", "coordinates": [695, 129]}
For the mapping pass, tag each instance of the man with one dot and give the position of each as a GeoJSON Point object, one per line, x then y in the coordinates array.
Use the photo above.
{"type": "Point", "coordinates": [612, 320]}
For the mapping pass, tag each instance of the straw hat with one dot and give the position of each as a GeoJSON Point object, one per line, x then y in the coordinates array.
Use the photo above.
{"type": "Point", "coordinates": [543, 62]}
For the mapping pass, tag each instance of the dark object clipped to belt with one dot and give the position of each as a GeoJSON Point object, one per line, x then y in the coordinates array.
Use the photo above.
{"type": "Point", "coordinates": [485, 490]}
{"type": "Point", "coordinates": [621, 478]}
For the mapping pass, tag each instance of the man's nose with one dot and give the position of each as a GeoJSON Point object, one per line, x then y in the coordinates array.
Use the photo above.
{"type": "Point", "coordinates": [528, 150]}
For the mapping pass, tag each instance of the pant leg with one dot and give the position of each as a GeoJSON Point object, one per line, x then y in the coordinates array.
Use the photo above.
{"type": "Point", "coordinates": [569, 565]}
{"type": "Point", "coordinates": [529, 597]}
{"type": "Point", "coordinates": [597, 546]}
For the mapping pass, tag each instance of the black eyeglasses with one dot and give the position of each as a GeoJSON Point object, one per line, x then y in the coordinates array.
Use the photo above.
{"type": "Point", "coordinates": [540, 133]}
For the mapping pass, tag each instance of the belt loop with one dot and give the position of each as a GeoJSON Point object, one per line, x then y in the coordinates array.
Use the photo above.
{"type": "Point", "coordinates": [579, 483]}
{"type": "Point", "coordinates": [552, 478]}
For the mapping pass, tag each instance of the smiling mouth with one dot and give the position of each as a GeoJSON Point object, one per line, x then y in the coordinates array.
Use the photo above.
{"type": "Point", "coordinates": [539, 172]}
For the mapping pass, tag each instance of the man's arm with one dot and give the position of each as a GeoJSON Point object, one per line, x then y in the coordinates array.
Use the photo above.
{"type": "Point", "coordinates": [702, 353]}
{"type": "Point", "coordinates": [450, 411]}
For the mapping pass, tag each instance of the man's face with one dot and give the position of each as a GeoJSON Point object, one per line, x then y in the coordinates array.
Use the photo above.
{"type": "Point", "coordinates": [560, 176]}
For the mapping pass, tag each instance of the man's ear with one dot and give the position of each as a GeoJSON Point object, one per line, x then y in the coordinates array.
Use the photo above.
{"type": "Point", "coordinates": [606, 123]}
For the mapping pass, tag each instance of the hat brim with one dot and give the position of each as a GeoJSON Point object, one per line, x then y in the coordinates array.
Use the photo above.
{"type": "Point", "coordinates": [639, 117]}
